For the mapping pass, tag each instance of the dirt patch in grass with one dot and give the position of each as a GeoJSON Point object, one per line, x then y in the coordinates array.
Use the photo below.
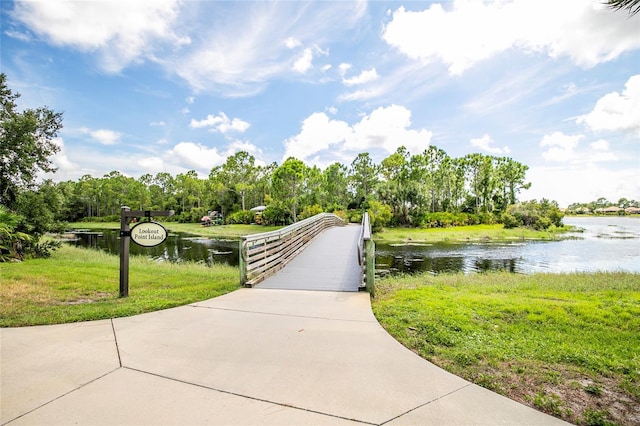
{"type": "Point", "coordinates": [569, 394]}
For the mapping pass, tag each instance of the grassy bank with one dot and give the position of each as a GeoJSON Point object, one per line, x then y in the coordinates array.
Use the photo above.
{"type": "Point", "coordinates": [224, 231]}
{"type": "Point", "coordinates": [81, 284]}
{"type": "Point", "coordinates": [567, 344]}
{"type": "Point", "coordinates": [466, 233]}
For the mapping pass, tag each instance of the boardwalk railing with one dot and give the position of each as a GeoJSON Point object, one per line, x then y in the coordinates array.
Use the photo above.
{"type": "Point", "coordinates": [262, 255]}
{"type": "Point", "coordinates": [367, 255]}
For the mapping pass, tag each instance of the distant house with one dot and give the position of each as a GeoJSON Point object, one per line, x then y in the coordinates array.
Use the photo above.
{"type": "Point", "coordinates": [632, 210]}
{"type": "Point", "coordinates": [609, 210]}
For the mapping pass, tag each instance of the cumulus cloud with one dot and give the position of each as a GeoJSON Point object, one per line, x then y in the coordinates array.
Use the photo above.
{"type": "Point", "coordinates": [472, 31]}
{"type": "Point", "coordinates": [61, 160]}
{"type": "Point", "coordinates": [304, 62]}
{"type": "Point", "coordinates": [561, 148]}
{"type": "Point", "coordinates": [384, 129]}
{"type": "Point", "coordinates": [617, 111]}
{"type": "Point", "coordinates": [101, 26]}
{"type": "Point", "coordinates": [221, 123]}
{"type": "Point", "coordinates": [485, 143]}
{"type": "Point", "coordinates": [204, 158]}
{"type": "Point", "coordinates": [103, 136]}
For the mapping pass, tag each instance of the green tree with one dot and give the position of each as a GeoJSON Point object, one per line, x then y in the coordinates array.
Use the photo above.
{"type": "Point", "coordinates": [288, 179]}
{"type": "Point", "coordinates": [363, 176]}
{"type": "Point", "coordinates": [334, 187]}
{"type": "Point", "coordinates": [26, 144]}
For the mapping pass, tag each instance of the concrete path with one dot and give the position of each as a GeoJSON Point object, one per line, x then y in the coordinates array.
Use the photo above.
{"type": "Point", "coordinates": [254, 356]}
{"type": "Point", "coordinates": [328, 263]}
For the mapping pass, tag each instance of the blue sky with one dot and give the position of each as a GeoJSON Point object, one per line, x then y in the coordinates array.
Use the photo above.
{"type": "Point", "coordinates": [164, 85]}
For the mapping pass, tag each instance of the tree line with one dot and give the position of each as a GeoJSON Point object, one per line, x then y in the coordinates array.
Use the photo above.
{"type": "Point", "coordinates": [403, 189]}
{"type": "Point", "coordinates": [424, 189]}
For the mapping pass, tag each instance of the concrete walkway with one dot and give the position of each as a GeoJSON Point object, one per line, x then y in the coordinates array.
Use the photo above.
{"type": "Point", "coordinates": [254, 356]}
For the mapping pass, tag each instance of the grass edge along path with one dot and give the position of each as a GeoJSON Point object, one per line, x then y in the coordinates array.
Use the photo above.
{"type": "Point", "coordinates": [77, 284]}
{"type": "Point", "coordinates": [566, 344]}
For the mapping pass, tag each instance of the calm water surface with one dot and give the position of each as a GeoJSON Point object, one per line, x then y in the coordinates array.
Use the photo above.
{"type": "Point", "coordinates": [604, 244]}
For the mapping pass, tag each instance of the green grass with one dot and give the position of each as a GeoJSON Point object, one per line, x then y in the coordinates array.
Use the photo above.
{"type": "Point", "coordinates": [551, 341]}
{"type": "Point", "coordinates": [224, 231]}
{"type": "Point", "coordinates": [466, 233]}
{"type": "Point", "coordinates": [81, 284]}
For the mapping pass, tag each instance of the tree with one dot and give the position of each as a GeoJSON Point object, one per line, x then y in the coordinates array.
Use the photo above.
{"type": "Point", "coordinates": [288, 179]}
{"type": "Point", "coordinates": [633, 6]}
{"type": "Point", "coordinates": [27, 141]}
{"type": "Point", "coordinates": [364, 176]}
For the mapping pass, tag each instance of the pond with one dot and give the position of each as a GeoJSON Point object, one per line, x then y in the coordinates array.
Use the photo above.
{"type": "Point", "coordinates": [605, 244]}
{"type": "Point", "coordinates": [178, 247]}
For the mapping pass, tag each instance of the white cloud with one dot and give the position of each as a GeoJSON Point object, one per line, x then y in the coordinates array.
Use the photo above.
{"type": "Point", "coordinates": [581, 183]}
{"type": "Point", "coordinates": [202, 158]}
{"type": "Point", "coordinates": [151, 165]}
{"type": "Point", "coordinates": [343, 68]}
{"type": "Point", "coordinates": [617, 111]}
{"type": "Point", "coordinates": [237, 53]}
{"type": "Point", "coordinates": [485, 142]}
{"type": "Point", "coordinates": [61, 160]}
{"type": "Point", "coordinates": [221, 123]}
{"type": "Point", "coordinates": [304, 62]}
{"type": "Point", "coordinates": [385, 129]}
{"type": "Point", "coordinates": [104, 136]}
{"type": "Point", "coordinates": [196, 155]}
{"type": "Point", "coordinates": [121, 31]}
{"type": "Point", "coordinates": [473, 31]}
{"type": "Point", "coordinates": [157, 124]}
{"type": "Point", "coordinates": [561, 148]}
{"type": "Point", "coordinates": [292, 42]}
{"type": "Point", "coordinates": [318, 133]}
{"type": "Point", "coordinates": [362, 78]}
{"type": "Point", "coordinates": [190, 100]}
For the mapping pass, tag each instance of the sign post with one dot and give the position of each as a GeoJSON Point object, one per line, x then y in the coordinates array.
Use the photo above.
{"type": "Point", "coordinates": [146, 234]}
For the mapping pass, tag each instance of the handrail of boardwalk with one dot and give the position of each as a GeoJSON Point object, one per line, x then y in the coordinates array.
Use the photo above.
{"type": "Point", "coordinates": [262, 255]}
{"type": "Point", "coordinates": [367, 255]}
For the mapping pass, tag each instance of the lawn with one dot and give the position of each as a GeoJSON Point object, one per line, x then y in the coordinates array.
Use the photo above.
{"type": "Point", "coordinates": [82, 284]}
{"type": "Point", "coordinates": [567, 344]}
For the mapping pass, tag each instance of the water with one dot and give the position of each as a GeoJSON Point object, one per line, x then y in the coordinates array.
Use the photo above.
{"type": "Point", "coordinates": [606, 244]}
{"type": "Point", "coordinates": [178, 247]}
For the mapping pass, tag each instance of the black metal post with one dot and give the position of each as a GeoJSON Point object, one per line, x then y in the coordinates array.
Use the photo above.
{"type": "Point", "coordinates": [125, 237]}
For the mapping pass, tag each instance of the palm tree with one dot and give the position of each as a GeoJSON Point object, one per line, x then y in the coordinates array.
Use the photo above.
{"type": "Point", "coordinates": [633, 6]}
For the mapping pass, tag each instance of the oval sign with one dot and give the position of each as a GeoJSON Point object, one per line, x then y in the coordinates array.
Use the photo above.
{"type": "Point", "coordinates": [148, 234]}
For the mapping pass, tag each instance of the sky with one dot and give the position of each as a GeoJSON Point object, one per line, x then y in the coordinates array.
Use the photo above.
{"type": "Point", "coordinates": [148, 86]}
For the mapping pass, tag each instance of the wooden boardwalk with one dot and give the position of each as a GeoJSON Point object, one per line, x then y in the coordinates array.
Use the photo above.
{"type": "Point", "coordinates": [329, 263]}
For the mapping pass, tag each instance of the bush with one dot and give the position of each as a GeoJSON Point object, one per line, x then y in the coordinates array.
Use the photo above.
{"type": "Point", "coordinates": [276, 214]}
{"type": "Point", "coordinates": [379, 215]}
{"type": "Point", "coordinates": [244, 217]}
{"type": "Point", "coordinates": [533, 214]}
{"type": "Point", "coordinates": [310, 211]}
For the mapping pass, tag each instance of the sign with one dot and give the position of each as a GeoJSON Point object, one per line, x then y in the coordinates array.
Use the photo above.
{"type": "Point", "coordinates": [148, 234]}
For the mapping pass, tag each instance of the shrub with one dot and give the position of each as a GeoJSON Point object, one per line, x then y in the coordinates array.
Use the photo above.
{"type": "Point", "coordinates": [245, 217]}
{"type": "Point", "coordinates": [310, 211]}
{"type": "Point", "coordinates": [532, 214]}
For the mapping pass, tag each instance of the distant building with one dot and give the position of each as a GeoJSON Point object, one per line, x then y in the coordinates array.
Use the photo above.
{"type": "Point", "coordinates": [632, 210]}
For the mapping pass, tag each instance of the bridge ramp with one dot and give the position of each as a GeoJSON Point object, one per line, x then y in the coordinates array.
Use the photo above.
{"type": "Point", "coordinates": [328, 263]}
